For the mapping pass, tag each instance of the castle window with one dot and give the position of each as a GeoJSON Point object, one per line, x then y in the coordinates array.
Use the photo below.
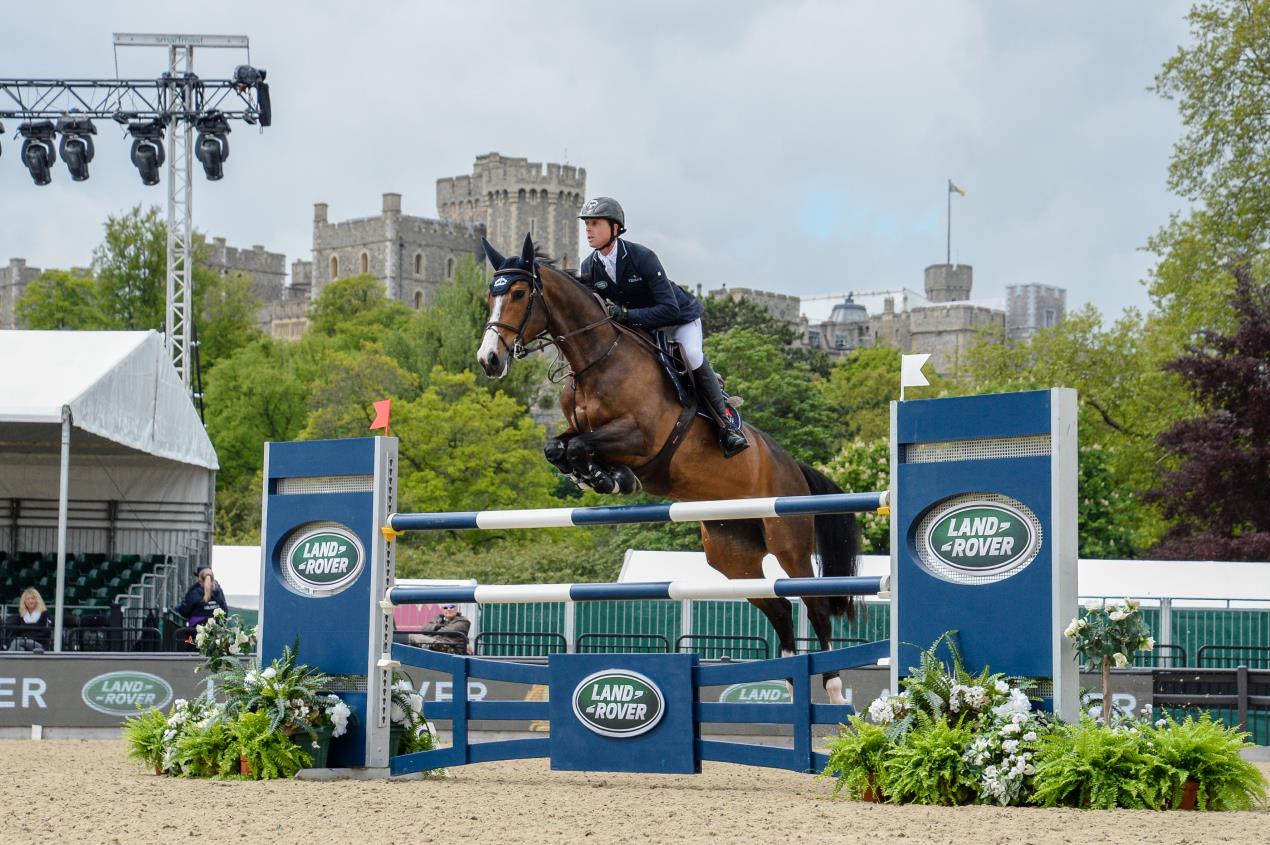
{"type": "Point", "coordinates": [418, 264]}
{"type": "Point", "coordinates": [449, 268]}
{"type": "Point", "coordinates": [418, 299]}
{"type": "Point", "coordinates": [1049, 318]}
{"type": "Point", "coordinates": [335, 266]}
{"type": "Point", "coordinates": [533, 225]}
{"type": "Point", "coordinates": [365, 263]}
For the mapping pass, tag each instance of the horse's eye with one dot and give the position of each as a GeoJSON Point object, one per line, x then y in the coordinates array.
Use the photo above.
{"type": "Point", "coordinates": [520, 294]}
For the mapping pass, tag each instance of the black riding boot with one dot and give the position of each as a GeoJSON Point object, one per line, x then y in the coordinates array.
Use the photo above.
{"type": "Point", "coordinates": [731, 440]}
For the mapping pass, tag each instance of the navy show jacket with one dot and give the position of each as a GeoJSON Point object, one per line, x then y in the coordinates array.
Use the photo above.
{"type": "Point", "coordinates": [651, 299]}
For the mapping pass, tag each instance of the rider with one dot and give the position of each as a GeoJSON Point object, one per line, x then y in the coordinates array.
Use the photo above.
{"type": "Point", "coordinates": [640, 294]}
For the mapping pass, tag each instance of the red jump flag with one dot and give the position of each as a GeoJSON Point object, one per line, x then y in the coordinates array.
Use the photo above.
{"type": "Point", "coordinates": [382, 410]}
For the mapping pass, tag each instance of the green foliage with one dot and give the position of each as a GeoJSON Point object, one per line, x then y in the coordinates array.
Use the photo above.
{"type": "Point", "coordinates": [287, 693]}
{"type": "Point", "coordinates": [143, 734]}
{"type": "Point", "coordinates": [131, 269]}
{"type": "Point", "coordinates": [931, 691]}
{"type": "Point", "coordinates": [340, 404]}
{"type": "Point", "coordinates": [855, 758]}
{"type": "Point", "coordinates": [862, 466]}
{"type": "Point", "coordinates": [862, 385]}
{"type": "Point", "coordinates": [781, 396]}
{"type": "Point", "coordinates": [1105, 510]}
{"type": "Point", "coordinates": [541, 557]}
{"type": "Point", "coordinates": [269, 752]}
{"type": "Point", "coordinates": [929, 766]}
{"type": "Point", "coordinates": [1091, 766]}
{"type": "Point", "coordinates": [1208, 752]}
{"type": "Point", "coordinates": [356, 309]}
{"type": "Point", "coordinates": [60, 300]}
{"type": "Point", "coordinates": [206, 750]}
{"type": "Point", "coordinates": [724, 313]}
{"type": "Point", "coordinates": [1110, 634]}
{"type": "Point", "coordinates": [225, 316]}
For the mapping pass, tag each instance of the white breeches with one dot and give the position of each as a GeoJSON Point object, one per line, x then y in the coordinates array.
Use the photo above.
{"type": "Point", "coordinates": [688, 336]}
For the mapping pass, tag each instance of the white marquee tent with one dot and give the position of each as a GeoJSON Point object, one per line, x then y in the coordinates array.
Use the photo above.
{"type": "Point", "coordinates": [93, 419]}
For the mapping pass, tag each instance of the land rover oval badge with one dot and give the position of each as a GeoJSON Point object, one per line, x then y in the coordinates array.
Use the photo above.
{"type": "Point", "coordinates": [981, 536]}
{"type": "Point", "coordinates": [324, 559]}
{"type": "Point", "coordinates": [618, 703]}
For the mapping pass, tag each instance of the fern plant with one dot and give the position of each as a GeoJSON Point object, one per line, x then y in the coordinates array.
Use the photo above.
{"type": "Point", "coordinates": [1092, 766]}
{"type": "Point", "coordinates": [144, 736]}
{"type": "Point", "coordinates": [929, 766]}
{"type": "Point", "coordinates": [200, 748]}
{"type": "Point", "coordinates": [1208, 753]}
{"type": "Point", "coordinates": [289, 693]}
{"type": "Point", "coordinates": [269, 752]}
{"type": "Point", "coordinates": [855, 758]}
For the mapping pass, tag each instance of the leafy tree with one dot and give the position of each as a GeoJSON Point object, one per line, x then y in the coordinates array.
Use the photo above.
{"type": "Point", "coordinates": [355, 310]}
{"type": "Point", "coordinates": [131, 269]}
{"type": "Point", "coordinates": [1216, 492]}
{"type": "Point", "coordinates": [1106, 511]}
{"type": "Point", "coordinates": [463, 448]}
{"type": "Point", "coordinates": [545, 557]}
{"type": "Point", "coordinates": [225, 315]}
{"type": "Point", "coordinates": [60, 300]}
{"type": "Point", "coordinates": [862, 466]}
{"type": "Point", "coordinates": [341, 402]}
{"type": "Point", "coordinates": [780, 396]}
{"type": "Point", "coordinates": [1221, 164]}
{"type": "Point", "coordinates": [724, 313]}
{"type": "Point", "coordinates": [863, 383]}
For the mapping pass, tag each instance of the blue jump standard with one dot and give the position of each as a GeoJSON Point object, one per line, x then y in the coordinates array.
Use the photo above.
{"type": "Point", "coordinates": [855, 585]}
{"type": "Point", "coordinates": [757, 508]}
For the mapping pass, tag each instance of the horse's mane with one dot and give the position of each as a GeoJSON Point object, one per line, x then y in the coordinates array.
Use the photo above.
{"type": "Point", "coordinates": [546, 260]}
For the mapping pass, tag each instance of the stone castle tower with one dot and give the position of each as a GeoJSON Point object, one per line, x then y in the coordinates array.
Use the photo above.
{"type": "Point", "coordinates": [509, 197]}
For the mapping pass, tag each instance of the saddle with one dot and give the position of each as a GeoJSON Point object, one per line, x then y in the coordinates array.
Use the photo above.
{"type": "Point", "coordinates": [670, 356]}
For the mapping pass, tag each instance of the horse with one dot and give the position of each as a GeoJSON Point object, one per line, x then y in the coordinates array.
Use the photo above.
{"type": "Point", "coordinates": [627, 430]}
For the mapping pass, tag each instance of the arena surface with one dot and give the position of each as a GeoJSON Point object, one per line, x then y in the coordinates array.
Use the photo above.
{"type": "Point", "coordinates": [86, 791]}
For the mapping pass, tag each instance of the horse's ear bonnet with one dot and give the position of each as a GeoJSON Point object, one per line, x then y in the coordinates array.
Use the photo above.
{"type": "Point", "coordinates": [508, 270]}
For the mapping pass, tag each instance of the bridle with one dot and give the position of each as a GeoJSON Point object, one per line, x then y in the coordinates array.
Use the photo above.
{"type": "Point", "coordinates": [519, 348]}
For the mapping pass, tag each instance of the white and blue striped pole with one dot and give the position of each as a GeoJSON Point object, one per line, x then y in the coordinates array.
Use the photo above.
{"type": "Point", "coordinates": [723, 509]}
{"type": "Point", "coordinates": [742, 588]}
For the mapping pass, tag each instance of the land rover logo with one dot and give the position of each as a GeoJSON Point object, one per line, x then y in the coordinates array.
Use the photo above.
{"type": "Point", "coordinates": [757, 692]}
{"type": "Point", "coordinates": [121, 693]}
{"type": "Point", "coordinates": [618, 703]}
{"type": "Point", "coordinates": [325, 559]}
{"type": "Point", "coordinates": [981, 537]}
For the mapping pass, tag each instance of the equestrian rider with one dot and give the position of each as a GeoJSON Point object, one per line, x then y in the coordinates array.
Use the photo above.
{"type": "Point", "coordinates": [641, 295]}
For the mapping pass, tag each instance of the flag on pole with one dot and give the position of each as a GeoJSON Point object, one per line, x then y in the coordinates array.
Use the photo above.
{"type": "Point", "coordinates": [952, 187]}
{"type": "Point", "coordinates": [911, 371]}
{"type": "Point", "coordinates": [382, 410]}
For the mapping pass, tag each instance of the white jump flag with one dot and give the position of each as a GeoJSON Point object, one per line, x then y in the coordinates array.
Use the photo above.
{"type": "Point", "coordinates": [911, 371]}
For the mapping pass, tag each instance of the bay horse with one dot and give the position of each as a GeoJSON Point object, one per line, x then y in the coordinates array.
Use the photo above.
{"type": "Point", "coordinates": [623, 413]}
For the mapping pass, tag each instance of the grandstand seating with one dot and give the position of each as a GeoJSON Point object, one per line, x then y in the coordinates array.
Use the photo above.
{"type": "Point", "coordinates": [92, 579]}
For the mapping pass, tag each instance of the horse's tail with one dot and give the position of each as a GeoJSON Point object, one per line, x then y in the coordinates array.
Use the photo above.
{"type": "Point", "coordinates": [837, 541]}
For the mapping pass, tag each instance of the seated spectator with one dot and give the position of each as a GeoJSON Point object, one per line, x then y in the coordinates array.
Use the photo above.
{"type": "Point", "coordinates": [203, 599]}
{"type": "Point", "coordinates": [446, 632]}
{"type": "Point", "coordinates": [32, 628]}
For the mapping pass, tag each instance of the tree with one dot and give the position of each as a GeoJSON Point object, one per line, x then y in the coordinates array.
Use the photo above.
{"type": "Point", "coordinates": [1221, 164]}
{"type": "Point", "coordinates": [341, 402]}
{"type": "Point", "coordinates": [862, 466]}
{"type": "Point", "coordinates": [356, 309]}
{"type": "Point", "coordinates": [724, 313]}
{"type": "Point", "coordinates": [225, 315]}
{"type": "Point", "coordinates": [131, 269]}
{"type": "Point", "coordinates": [781, 396]}
{"type": "Point", "coordinates": [863, 383]}
{"type": "Point", "coordinates": [60, 300]}
{"type": "Point", "coordinates": [1215, 494]}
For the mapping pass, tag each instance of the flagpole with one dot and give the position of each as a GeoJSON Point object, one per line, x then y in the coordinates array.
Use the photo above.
{"type": "Point", "coordinates": [948, 218]}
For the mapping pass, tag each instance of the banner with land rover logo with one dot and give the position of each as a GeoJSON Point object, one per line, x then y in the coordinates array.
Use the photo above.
{"type": "Point", "coordinates": [618, 703]}
{"type": "Point", "coordinates": [122, 693]}
{"type": "Point", "coordinates": [324, 559]}
{"type": "Point", "coordinates": [981, 536]}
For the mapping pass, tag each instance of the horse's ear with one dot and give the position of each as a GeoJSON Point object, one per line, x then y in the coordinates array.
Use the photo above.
{"type": "Point", "coordinates": [495, 260]}
{"type": "Point", "coordinates": [527, 251]}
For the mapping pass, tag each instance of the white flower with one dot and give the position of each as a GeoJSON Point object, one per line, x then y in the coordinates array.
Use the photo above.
{"type": "Point", "coordinates": [339, 713]}
{"type": "Point", "coordinates": [1002, 687]}
{"type": "Point", "coordinates": [1072, 629]}
{"type": "Point", "coordinates": [1030, 736]}
{"type": "Point", "coordinates": [1010, 728]}
{"type": "Point", "coordinates": [218, 613]}
{"type": "Point", "coordinates": [398, 715]}
{"type": "Point", "coordinates": [416, 702]}
{"type": "Point", "coordinates": [1093, 604]}
{"type": "Point", "coordinates": [1148, 643]}
{"type": "Point", "coordinates": [269, 673]}
{"type": "Point", "coordinates": [180, 703]}
{"type": "Point", "coordinates": [1016, 707]}
{"type": "Point", "coordinates": [404, 685]}
{"type": "Point", "coordinates": [1117, 615]}
{"type": "Point", "coordinates": [1120, 659]}
{"type": "Point", "coordinates": [1009, 746]}
{"type": "Point", "coordinates": [1159, 723]}
{"type": "Point", "coordinates": [234, 649]}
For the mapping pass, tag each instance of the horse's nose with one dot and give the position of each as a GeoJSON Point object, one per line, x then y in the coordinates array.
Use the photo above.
{"type": "Point", "coordinates": [490, 363]}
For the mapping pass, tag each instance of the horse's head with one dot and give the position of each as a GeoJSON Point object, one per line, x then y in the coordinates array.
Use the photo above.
{"type": "Point", "coordinates": [517, 311]}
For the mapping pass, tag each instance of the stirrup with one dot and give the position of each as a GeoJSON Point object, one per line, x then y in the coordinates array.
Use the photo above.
{"type": "Point", "coordinates": [734, 450]}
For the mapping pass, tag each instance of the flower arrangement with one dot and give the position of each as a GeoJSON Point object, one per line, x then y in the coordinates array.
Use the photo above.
{"type": "Point", "coordinates": [222, 639]}
{"type": "Point", "coordinates": [952, 738]}
{"type": "Point", "coordinates": [1106, 635]}
{"type": "Point", "coordinates": [406, 717]}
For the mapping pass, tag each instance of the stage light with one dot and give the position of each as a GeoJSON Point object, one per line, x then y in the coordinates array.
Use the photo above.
{"type": "Point", "coordinates": [76, 145]}
{"type": "Point", "coordinates": [37, 150]}
{"type": "Point", "coordinates": [246, 76]}
{"type": "Point", "coordinates": [147, 150]}
{"type": "Point", "coordinates": [211, 147]}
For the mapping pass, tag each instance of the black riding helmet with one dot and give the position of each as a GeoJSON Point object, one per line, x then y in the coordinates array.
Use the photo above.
{"type": "Point", "coordinates": [604, 208]}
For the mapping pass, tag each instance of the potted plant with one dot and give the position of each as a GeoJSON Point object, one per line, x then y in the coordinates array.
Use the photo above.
{"type": "Point", "coordinates": [222, 639]}
{"type": "Point", "coordinates": [1203, 757]}
{"type": "Point", "coordinates": [260, 750]}
{"type": "Point", "coordinates": [144, 735]}
{"type": "Point", "coordinates": [1096, 766]}
{"type": "Point", "coordinates": [201, 749]}
{"type": "Point", "coordinates": [855, 760]}
{"type": "Point", "coordinates": [1106, 635]}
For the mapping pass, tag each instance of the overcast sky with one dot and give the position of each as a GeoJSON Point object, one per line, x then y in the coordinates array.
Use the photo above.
{"type": "Point", "coordinates": [800, 147]}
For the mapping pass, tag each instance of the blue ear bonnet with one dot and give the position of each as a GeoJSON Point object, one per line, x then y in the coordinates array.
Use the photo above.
{"type": "Point", "coordinates": [504, 278]}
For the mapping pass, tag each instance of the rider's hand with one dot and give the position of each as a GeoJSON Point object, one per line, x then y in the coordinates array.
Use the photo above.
{"type": "Point", "coordinates": [617, 312]}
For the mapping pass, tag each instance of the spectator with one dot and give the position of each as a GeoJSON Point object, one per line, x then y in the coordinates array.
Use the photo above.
{"type": "Point", "coordinates": [446, 632]}
{"type": "Point", "coordinates": [203, 599]}
{"type": "Point", "coordinates": [33, 626]}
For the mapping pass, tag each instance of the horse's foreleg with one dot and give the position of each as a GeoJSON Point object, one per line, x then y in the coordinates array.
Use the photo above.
{"type": "Point", "coordinates": [618, 437]}
{"type": "Point", "coordinates": [556, 452]}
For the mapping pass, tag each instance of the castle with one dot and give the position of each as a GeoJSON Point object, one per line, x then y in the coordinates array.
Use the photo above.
{"type": "Point", "coordinates": [503, 198]}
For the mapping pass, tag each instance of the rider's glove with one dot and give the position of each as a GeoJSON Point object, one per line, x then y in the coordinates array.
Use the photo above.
{"type": "Point", "coordinates": [617, 312]}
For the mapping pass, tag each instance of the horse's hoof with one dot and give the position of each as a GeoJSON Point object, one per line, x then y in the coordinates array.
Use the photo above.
{"type": "Point", "coordinates": [627, 481]}
{"type": "Point", "coordinates": [602, 482]}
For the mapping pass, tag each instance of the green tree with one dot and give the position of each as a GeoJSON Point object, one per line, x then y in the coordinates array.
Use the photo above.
{"type": "Point", "coordinates": [356, 310]}
{"type": "Point", "coordinates": [225, 315]}
{"type": "Point", "coordinates": [862, 466]}
{"type": "Point", "coordinates": [340, 404]}
{"type": "Point", "coordinates": [781, 396]}
{"type": "Point", "coordinates": [60, 300]}
{"type": "Point", "coordinates": [724, 313]}
{"type": "Point", "coordinates": [863, 383]}
{"type": "Point", "coordinates": [131, 269]}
